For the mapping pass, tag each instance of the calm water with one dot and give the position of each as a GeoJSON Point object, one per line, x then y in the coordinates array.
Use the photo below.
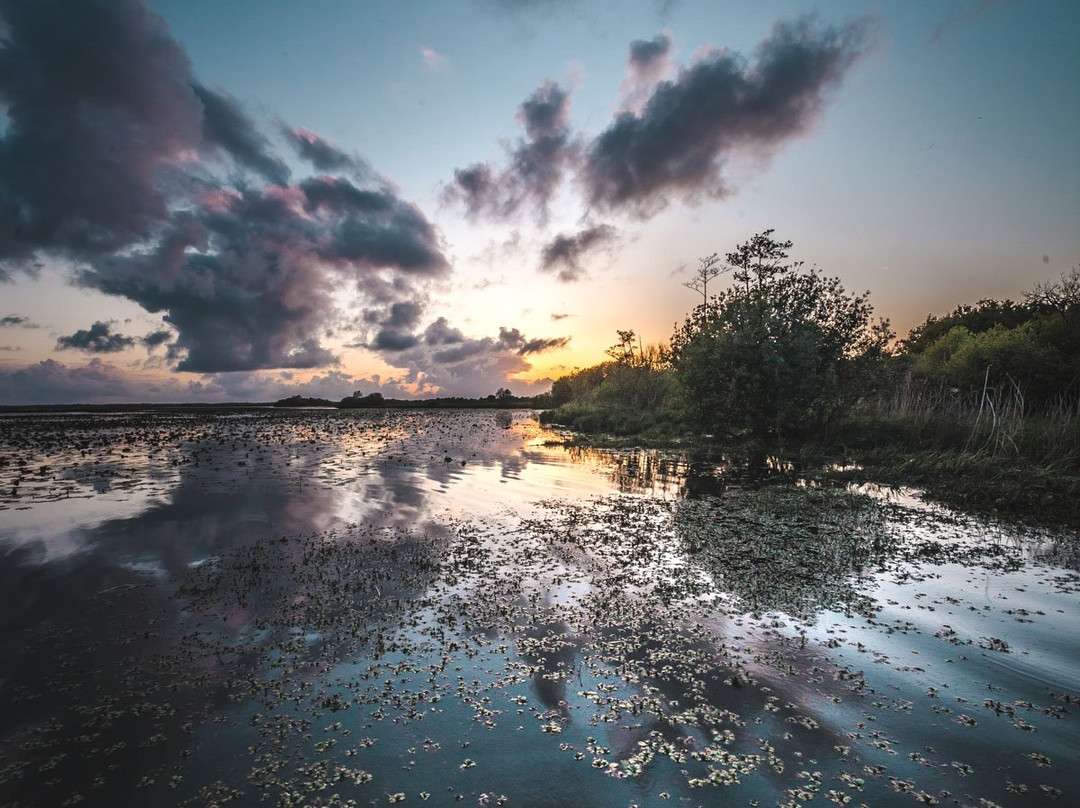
{"type": "Point", "coordinates": [326, 608]}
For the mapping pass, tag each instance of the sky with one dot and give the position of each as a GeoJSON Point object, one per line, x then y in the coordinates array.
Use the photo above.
{"type": "Point", "coordinates": [242, 201]}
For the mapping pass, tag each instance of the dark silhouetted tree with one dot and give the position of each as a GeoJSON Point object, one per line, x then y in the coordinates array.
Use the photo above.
{"type": "Point", "coordinates": [783, 350]}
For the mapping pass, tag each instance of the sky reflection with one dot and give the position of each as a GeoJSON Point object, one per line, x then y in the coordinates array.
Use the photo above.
{"type": "Point", "coordinates": [284, 603]}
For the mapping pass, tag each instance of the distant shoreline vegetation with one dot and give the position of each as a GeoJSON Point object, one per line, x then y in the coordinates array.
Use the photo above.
{"type": "Point", "coordinates": [502, 399]}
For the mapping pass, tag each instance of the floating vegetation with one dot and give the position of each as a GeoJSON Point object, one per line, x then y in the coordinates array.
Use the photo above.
{"type": "Point", "coordinates": [358, 617]}
{"type": "Point", "coordinates": [789, 548]}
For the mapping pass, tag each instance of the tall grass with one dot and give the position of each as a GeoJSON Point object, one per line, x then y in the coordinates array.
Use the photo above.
{"type": "Point", "coordinates": [993, 423]}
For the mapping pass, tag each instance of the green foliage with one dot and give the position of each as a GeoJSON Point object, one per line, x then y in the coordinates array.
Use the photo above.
{"type": "Point", "coordinates": [995, 346]}
{"type": "Point", "coordinates": [983, 316]}
{"type": "Point", "coordinates": [783, 350]}
{"type": "Point", "coordinates": [633, 392]}
{"type": "Point", "coordinates": [992, 358]}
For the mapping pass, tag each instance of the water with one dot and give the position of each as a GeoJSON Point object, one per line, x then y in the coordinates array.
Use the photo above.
{"type": "Point", "coordinates": [316, 607]}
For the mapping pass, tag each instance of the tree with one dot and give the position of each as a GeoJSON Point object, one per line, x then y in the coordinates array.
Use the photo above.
{"type": "Point", "coordinates": [1031, 349]}
{"type": "Point", "coordinates": [782, 350]}
{"type": "Point", "coordinates": [708, 268]}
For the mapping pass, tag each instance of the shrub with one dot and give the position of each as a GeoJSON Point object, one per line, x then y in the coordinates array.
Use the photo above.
{"type": "Point", "coordinates": [783, 350]}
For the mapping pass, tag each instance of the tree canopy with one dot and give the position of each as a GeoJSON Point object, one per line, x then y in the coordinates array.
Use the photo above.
{"type": "Point", "coordinates": [782, 349]}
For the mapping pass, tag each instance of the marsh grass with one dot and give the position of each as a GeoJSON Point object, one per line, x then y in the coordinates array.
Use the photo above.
{"type": "Point", "coordinates": [984, 449]}
{"type": "Point", "coordinates": [994, 422]}
{"type": "Point", "coordinates": [614, 420]}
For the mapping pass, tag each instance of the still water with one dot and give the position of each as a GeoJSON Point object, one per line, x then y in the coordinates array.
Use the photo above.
{"type": "Point", "coordinates": [324, 608]}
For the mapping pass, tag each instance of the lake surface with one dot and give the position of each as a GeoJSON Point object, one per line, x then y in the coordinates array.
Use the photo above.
{"type": "Point", "coordinates": [325, 608]}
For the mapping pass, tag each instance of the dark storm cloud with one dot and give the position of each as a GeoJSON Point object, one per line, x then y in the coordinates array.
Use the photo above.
{"type": "Point", "coordinates": [156, 338]}
{"type": "Point", "coordinates": [405, 314]}
{"type": "Point", "coordinates": [441, 332]}
{"type": "Point", "coordinates": [564, 252]}
{"type": "Point", "coordinates": [99, 105]}
{"type": "Point", "coordinates": [536, 164]}
{"type": "Point", "coordinates": [323, 154]}
{"type": "Point", "coordinates": [98, 338]}
{"type": "Point", "coordinates": [226, 125]}
{"type": "Point", "coordinates": [689, 126]}
{"type": "Point", "coordinates": [443, 360]}
{"type": "Point", "coordinates": [373, 228]}
{"type": "Point", "coordinates": [647, 56]}
{"type": "Point", "coordinates": [390, 340]}
{"type": "Point", "coordinates": [110, 157]}
{"type": "Point", "coordinates": [246, 280]}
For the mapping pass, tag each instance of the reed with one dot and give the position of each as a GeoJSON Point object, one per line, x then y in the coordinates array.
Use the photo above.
{"type": "Point", "coordinates": [993, 423]}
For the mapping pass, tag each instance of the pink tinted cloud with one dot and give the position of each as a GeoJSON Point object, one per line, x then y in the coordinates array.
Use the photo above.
{"type": "Point", "coordinates": [435, 61]}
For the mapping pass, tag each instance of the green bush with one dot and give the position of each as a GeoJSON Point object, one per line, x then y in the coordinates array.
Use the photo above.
{"type": "Point", "coordinates": [783, 351]}
{"type": "Point", "coordinates": [1031, 349]}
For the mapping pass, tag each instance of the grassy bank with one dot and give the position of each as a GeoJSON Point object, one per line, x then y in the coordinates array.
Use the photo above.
{"type": "Point", "coordinates": [992, 457]}
{"type": "Point", "coordinates": [604, 423]}
{"type": "Point", "coordinates": [1023, 467]}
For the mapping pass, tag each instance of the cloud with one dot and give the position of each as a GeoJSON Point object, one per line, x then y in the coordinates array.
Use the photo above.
{"type": "Point", "coordinates": [444, 361]}
{"type": "Point", "coordinates": [649, 62]}
{"type": "Point", "coordinates": [12, 320]}
{"type": "Point", "coordinates": [434, 60]}
{"type": "Point", "coordinates": [674, 134]}
{"type": "Point", "coordinates": [372, 228]}
{"type": "Point", "coordinates": [333, 385]}
{"type": "Point", "coordinates": [565, 252]}
{"type": "Point", "coordinates": [99, 338]}
{"type": "Point", "coordinates": [440, 332]}
{"type": "Point", "coordinates": [227, 126]}
{"type": "Point", "coordinates": [115, 158]}
{"type": "Point", "coordinates": [323, 154]}
{"type": "Point", "coordinates": [536, 164]}
{"type": "Point", "coordinates": [247, 279]}
{"type": "Point", "coordinates": [973, 11]}
{"type": "Point", "coordinates": [690, 125]}
{"type": "Point", "coordinates": [98, 382]}
{"type": "Point", "coordinates": [99, 108]}
{"type": "Point", "coordinates": [542, 344]}
{"type": "Point", "coordinates": [52, 382]}
{"type": "Point", "coordinates": [156, 338]}
{"type": "Point", "coordinates": [389, 339]}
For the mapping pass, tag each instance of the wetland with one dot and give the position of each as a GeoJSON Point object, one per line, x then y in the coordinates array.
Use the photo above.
{"type": "Point", "coordinates": [368, 607]}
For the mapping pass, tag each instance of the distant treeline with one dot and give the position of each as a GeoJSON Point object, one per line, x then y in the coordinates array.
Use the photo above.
{"type": "Point", "coordinates": [353, 402]}
{"type": "Point", "coordinates": [137, 407]}
{"type": "Point", "coordinates": [501, 399]}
